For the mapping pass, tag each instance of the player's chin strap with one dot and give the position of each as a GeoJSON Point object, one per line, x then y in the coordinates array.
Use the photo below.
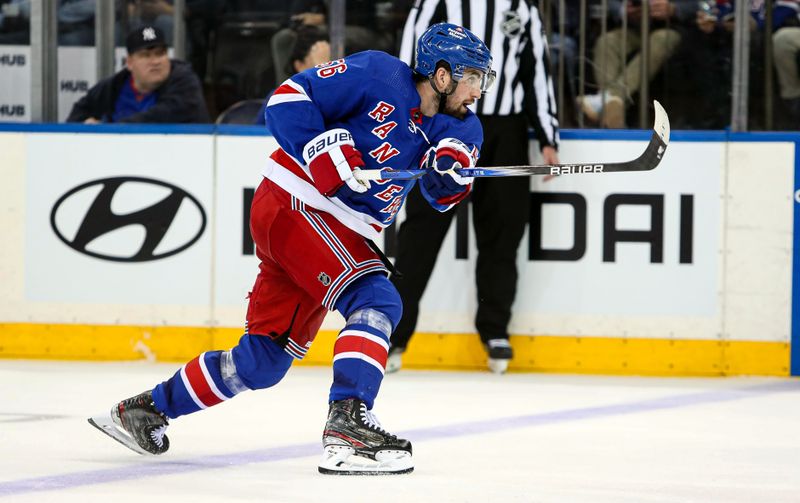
{"type": "Point", "coordinates": [443, 94]}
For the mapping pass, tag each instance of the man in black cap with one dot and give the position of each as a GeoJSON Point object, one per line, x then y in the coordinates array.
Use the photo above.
{"type": "Point", "coordinates": [153, 88]}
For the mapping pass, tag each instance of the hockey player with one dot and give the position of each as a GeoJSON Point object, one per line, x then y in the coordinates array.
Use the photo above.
{"type": "Point", "coordinates": [313, 223]}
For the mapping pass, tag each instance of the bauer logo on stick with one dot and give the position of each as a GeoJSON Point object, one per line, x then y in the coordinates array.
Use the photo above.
{"type": "Point", "coordinates": [579, 168]}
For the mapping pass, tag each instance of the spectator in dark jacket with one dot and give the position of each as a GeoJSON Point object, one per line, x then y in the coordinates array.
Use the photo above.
{"type": "Point", "coordinates": [152, 88]}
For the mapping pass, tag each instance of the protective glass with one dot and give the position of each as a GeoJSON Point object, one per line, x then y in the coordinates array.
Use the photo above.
{"type": "Point", "coordinates": [479, 80]}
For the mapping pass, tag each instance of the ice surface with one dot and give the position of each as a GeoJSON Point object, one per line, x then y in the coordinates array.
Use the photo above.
{"type": "Point", "coordinates": [477, 437]}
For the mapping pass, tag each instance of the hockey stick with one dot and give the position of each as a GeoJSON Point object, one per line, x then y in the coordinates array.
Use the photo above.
{"type": "Point", "coordinates": [649, 159]}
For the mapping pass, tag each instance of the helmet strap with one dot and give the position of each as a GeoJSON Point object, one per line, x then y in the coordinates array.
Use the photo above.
{"type": "Point", "coordinates": [443, 94]}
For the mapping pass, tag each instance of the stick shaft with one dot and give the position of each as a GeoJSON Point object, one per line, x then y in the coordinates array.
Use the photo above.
{"type": "Point", "coordinates": [647, 161]}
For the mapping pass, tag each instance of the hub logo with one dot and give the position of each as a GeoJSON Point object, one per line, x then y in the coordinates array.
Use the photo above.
{"type": "Point", "coordinates": [12, 110]}
{"type": "Point", "coordinates": [12, 60]}
{"type": "Point", "coordinates": [74, 86]}
{"type": "Point", "coordinates": [128, 219]}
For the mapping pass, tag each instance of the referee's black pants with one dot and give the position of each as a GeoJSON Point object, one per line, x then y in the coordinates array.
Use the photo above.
{"type": "Point", "coordinates": [500, 208]}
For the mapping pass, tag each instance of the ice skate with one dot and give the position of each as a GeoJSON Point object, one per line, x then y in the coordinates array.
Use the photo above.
{"type": "Point", "coordinates": [355, 444]}
{"type": "Point", "coordinates": [500, 354]}
{"type": "Point", "coordinates": [395, 360]}
{"type": "Point", "coordinates": [136, 424]}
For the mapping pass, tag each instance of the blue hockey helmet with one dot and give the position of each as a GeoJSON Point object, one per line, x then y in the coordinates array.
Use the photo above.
{"type": "Point", "coordinates": [457, 46]}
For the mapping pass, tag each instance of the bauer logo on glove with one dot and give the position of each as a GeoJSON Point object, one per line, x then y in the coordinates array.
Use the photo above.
{"type": "Point", "coordinates": [332, 159]}
{"type": "Point", "coordinates": [326, 141]}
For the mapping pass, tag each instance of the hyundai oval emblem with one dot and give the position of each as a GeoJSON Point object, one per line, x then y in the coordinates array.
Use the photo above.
{"type": "Point", "coordinates": [90, 219]}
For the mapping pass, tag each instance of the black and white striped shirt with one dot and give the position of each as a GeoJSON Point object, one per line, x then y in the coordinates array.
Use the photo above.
{"type": "Point", "coordinates": [513, 31]}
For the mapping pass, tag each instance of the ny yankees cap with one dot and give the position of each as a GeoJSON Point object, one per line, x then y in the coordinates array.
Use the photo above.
{"type": "Point", "coordinates": [145, 37]}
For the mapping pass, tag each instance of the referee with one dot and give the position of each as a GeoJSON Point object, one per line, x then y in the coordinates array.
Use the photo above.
{"type": "Point", "coordinates": [522, 97]}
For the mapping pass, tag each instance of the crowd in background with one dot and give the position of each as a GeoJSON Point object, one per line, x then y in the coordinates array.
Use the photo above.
{"type": "Point", "coordinates": [240, 50]}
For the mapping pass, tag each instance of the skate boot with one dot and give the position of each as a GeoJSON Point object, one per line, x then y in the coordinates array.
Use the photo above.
{"type": "Point", "coordinates": [136, 424]}
{"type": "Point", "coordinates": [395, 360]}
{"type": "Point", "coordinates": [500, 353]}
{"type": "Point", "coordinates": [355, 444]}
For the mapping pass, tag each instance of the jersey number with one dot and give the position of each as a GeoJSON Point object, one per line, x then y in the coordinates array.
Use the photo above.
{"type": "Point", "coordinates": [331, 68]}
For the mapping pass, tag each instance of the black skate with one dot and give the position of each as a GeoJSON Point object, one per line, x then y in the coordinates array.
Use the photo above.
{"type": "Point", "coordinates": [500, 354]}
{"type": "Point", "coordinates": [355, 444]}
{"type": "Point", "coordinates": [136, 424]}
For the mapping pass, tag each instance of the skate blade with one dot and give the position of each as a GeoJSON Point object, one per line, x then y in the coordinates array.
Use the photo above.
{"type": "Point", "coordinates": [110, 428]}
{"type": "Point", "coordinates": [498, 366]}
{"type": "Point", "coordinates": [342, 460]}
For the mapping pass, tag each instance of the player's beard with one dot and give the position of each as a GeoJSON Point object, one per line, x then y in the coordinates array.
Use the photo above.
{"type": "Point", "coordinates": [457, 110]}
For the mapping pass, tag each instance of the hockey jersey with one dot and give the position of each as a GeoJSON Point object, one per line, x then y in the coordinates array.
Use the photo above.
{"type": "Point", "coordinates": [373, 96]}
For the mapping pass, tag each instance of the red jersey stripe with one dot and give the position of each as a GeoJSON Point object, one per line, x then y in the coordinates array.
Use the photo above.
{"type": "Point", "coordinates": [286, 89]}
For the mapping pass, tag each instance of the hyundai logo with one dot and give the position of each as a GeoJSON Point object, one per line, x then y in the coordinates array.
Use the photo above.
{"type": "Point", "coordinates": [128, 219]}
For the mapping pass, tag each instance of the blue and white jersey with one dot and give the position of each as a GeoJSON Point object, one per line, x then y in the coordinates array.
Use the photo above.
{"type": "Point", "coordinates": [373, 96]}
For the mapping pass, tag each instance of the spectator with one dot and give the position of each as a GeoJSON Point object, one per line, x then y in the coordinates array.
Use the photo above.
{"type": "Point", "coordinates": [76, 22]}
{"type": "Point", "coordinates": [308, 13]}
{"type": "Point", "coordinates": [152, 88]}
{"type": "Point", "coordinates": [203, 18]}
{"type": "Point", "coordinates": [360, 30]}
{"type": "Point", "coordinates": [711, 54]}
{"type": "Point", "coordinates": [296, 49]}
{"type": "Point", "coordinates": [618, 75]}
{"type": "Point", "coordinates": [158, 13]}
{"type": "Point", "coordinates": [785, 50]}
{"type": "Point", "coordinates": [309, 48]}
{"type": "Point", "coordinates": [15, 22]}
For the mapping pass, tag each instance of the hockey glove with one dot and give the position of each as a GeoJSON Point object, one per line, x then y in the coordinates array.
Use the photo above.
{"type": "Point", "coordinates": [332, 159]}
{"type": "Point", "coordinates": [444, 185]}
{"type": "Point", "coordinates": [452, 155]}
